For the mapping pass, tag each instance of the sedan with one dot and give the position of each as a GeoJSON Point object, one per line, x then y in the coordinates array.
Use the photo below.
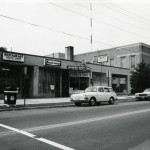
{"type": "Point", "coordinates": [145, 95]}
{"type": "Point", "coordinates": [93, 95]}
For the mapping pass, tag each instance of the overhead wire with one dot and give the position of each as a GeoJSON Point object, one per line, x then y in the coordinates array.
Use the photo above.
{"type": "Point", "coordinates": [54, 30]}
{"type": "Point", "coordinates": [134, 14]}
{"type": "Point", "coordinates": [106, 6]}
{"type": "Point", "coordinates": [93, 19]}
{"type": "Point", "coordinates": [101, 13]}
{"type": "Point", "coordinates": [102, 22]}
{"type": "Point", "coordinates": [51, 29]}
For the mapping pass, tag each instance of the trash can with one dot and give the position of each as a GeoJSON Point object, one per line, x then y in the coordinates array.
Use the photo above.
{"type": "Point", "coordinates": [10, 95]}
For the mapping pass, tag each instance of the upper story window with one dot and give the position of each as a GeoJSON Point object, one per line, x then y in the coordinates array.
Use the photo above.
{"type": "Point", "coordinates": [111, 62]}
{"type": "Point", "coordinates": [123, 62]}
{"type": "Point", "coordinates": [132, 61]}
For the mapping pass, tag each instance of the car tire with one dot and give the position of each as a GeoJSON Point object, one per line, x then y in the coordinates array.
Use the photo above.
{"type": "Point", "coordinates": [78, 104]}
{"type": "Point", "coordinates": [92, 102]}
{"type": "Point", "coordinates": [111, 100]}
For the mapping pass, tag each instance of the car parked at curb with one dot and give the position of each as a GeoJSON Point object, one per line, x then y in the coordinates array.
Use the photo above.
{"type": "Point", "coordinates": [145, 95]}
{"type": "Point", "coordinates": [93, 95]}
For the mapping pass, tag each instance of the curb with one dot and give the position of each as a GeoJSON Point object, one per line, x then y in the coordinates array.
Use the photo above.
{"type": "Point", "coordinates": [49, 105]}
{"type": "Point", "coordinates": [35, 106]}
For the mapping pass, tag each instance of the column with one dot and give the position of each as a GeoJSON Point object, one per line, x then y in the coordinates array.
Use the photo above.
{"type": "Point", "coordinates": [35, 81]}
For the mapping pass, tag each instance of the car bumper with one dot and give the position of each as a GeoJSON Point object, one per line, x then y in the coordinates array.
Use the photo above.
{"type": "Point", "coordinates": [142, 97]}
{"type": "Point", "coordinates": [79, 101]}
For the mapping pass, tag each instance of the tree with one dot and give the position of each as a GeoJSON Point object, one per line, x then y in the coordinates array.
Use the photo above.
{"type": "Point", "coordinates": [140, 78]}
{"type": "Point", "coordinates": [3, 49]}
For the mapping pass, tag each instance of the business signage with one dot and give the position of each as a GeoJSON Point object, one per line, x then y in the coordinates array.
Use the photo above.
{"type": "Point", "coordinates": [13, 57]}
{"type": "Point", "coordinates": [79, 74]}
{"type": "Point", "coordinates": [81, 68]}
{"type": "Point", "coordinates": [49, 62]}
{"type": "Point", "coordinates": [102, 58]}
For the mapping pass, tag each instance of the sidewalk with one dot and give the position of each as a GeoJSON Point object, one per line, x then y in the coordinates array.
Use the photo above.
{"type": "Point", "coordinates": [50, 103]}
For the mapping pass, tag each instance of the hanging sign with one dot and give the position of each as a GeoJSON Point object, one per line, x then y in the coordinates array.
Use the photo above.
{"type": "Point", "coordinates": [13, 57]}
{"type": "Point", "coordinates": [49, 62]}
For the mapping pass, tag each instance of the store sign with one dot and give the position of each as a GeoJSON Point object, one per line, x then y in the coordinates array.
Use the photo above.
{"type": "Point", "coordinates": [79, 74]}
{"type": "Point", "coordinates": [82, 68]}
{"type": "Point", "coordinates": [13, 57]}
{"type": "Point", "coordinates": [49, 62]}
{"type": "Point", "coordinates": [103, 58]}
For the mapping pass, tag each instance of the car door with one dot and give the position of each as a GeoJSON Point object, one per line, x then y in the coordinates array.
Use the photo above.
{"type": "Point", "coordinates": [107, 94]}
{"type": "Point", "coordinates": [101, 94]}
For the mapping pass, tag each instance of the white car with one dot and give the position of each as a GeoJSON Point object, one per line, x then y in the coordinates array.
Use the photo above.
{"type": "Point", "coordinates": [94, 94]}
{"type": "Point", "coordinates": [145, 95]}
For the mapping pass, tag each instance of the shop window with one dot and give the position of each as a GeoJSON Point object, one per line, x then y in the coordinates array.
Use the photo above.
{"type": "Point", "coordinates": [46, 81]}
{"type": "Point", "coordinates": [119, 84]}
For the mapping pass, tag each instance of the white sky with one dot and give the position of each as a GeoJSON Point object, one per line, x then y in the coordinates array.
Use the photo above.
{"type": "Point", "coordinates": [44, 27]}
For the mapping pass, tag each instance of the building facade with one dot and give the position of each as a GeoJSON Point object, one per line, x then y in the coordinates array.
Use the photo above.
{"type": "Point", "coordinates": [124, 57]}
{"type": "Point", "coordinates": [40, 76]}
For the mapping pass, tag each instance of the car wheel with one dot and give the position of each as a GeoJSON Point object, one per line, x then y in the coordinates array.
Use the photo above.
{"type": "Point", "coordinates": [111, 100]}
{"type": "Point", "coordinates": [92, 102]}
{"type": "Point", "coordinates": [78, 104]}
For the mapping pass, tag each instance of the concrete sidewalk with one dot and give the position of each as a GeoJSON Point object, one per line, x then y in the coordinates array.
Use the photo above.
{"type": "Point", "coordinates": [50, 102]}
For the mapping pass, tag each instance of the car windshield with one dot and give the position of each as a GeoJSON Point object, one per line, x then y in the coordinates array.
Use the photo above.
{"type": "Point", "coordinates": [91, 89]}
{"type": "Point", "coordinates": [147, 90]}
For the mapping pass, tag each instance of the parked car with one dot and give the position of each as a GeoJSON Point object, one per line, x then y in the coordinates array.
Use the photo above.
{"type": "Point", "coordinates": [93, 95]}
{"type": "Point", "coordinates": [145, 95]}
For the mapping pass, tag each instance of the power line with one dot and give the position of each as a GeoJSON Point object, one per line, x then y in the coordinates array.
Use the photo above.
{"type": "Point", "coordinates": [51, 29]}
{"type": "Point", "coordinates": [100, 13]}
{"type": "Point", "coordinates": [134, 14]}
{"type": "Point", "coordinates": [54, 30]}
{"type": "Point", "coordinates": [124, 14]}
{"type": "Point", "coordinates": [110, 25]}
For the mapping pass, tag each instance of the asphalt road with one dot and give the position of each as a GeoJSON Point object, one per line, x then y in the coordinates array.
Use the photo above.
{"type": "Point", "coordinates": [123, 126]}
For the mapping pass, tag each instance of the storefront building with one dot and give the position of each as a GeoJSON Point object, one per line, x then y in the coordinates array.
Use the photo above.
{"type": "Point", "coordinates": [122, 57]}
{"type": "Point", "coordinates": [39, 76]}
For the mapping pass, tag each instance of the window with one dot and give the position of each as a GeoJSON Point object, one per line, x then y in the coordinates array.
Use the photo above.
{"type": "Point", "coordinates": [123, 62]}
{"type": "Point", "coordinates": [91, 89]}
{"type": "Point", "coordinates": [132, 61]}
{"type": "Point", "coordinates": [111, 90]}
{"type": "Point", "coordinates": [111, 62]}
{"type": "Point", "coordinates": [100, 90]}
{"type": "Point", "coordinates": [46, 81]}
{"type": "Point", "coordinates": [106, 90]}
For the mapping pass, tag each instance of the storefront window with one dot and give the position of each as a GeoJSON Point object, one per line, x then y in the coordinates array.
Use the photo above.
{"type": "Point", "coordinates": [78, 81]}
{"type": "Point", "coordinates": [46, 81]}
{"type": "Point", "coordinates": [10, 76]}
{"type": "Point", "coordinates": [119, 83]}
{"type": "Point", "coordinates": [100, 79]}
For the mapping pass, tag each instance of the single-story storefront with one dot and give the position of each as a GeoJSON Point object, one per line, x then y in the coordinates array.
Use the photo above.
{"type": "Point", "coordinates": [39, 76]}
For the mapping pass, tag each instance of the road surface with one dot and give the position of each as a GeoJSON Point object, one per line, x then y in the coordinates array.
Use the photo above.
{"type": "Point", "coordinates": [122, 126]}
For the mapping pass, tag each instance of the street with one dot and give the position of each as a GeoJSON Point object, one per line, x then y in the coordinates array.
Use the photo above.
{"type": "Point", "coordinates": [122, 126]}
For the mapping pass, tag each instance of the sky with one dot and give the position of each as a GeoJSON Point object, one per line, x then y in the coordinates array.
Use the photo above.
{"type": "Point", "coordinates": [48, 26]}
